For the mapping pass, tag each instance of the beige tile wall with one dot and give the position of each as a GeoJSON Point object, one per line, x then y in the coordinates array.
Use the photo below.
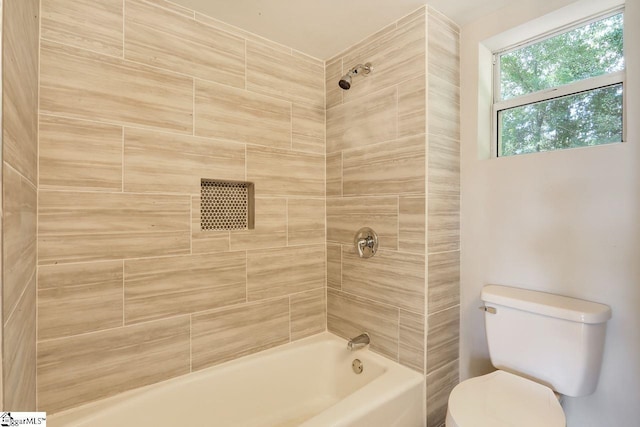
{"type": "Point", "coordinates": [443, 214]}
{"type": "Point", "coordinates": [19, 203]}
{"type": "Point", "coordinates": [393, 164]}
{"type": "Point", "coordinates": [376, 177]}
{"type": "Point", "coordinates": [135, 108]}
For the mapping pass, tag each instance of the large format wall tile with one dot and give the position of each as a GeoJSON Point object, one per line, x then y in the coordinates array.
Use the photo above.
{"type": "Point", "coordinates": [440, 383]}
{"type": "Point", "coordinates": [76, 370]}
{"type": "Point", "coordinates": [442, 338]}
{"type": "Point", "coordinates": [444, 165]}
{"type": "Point", "coordinates": [79, 155]}
{"type": "Point", "coordinates": [81, 84]}
{"type": "Point", "coordinates": [227, 113]}
{"type": "Point", "coordinates": [345, 216]}
{"type": "Point", "coordinates": [163, 287]}
{"type": "Point", "coordinates": [393, 167]}
{"type": "Point", "coordinates": [412, 340]}
{"type": "Point", "coordinates": [173, 7]}
{"type": "Point", "coordinates": [167, 40]}
{"type": "Point", "coordinates": [79, 298]}
{"type": "Point", "coordinates": [444, 48]}
{"type": "Point", "coordinates": [171, 163]}
{"type": "Point", "coordinates": [372, 119]}
{"type": "Point", "coordinates": [333, 72]}
{"type": "Point", "coordinates": [392, 278]}
{"type": "Point", "coordinates": [276, 272]}
{"type": "Point", "coordinates": [88, 24]}
{"type": "Point", "coordinates": [285, 173]}
{"type": "Point", "coordinates": [308, 313]}
{"type": "Point", "coordinates": [91, 226]}
{"type": "Point", "coordinates": [239, 32]}
{"type": "Point", "coordinates": [444, 280]}
{"type": "Point", "coordinates": [272, 72]}
{"type": "Point", "coordinates": [443, 108]}
{"type": "Point", "coordinates": [270, 226]}
{"type": "Point", "coordinates": [334, 266]}
{"type": "Point", "coordinates": [348, 316]}
{"type": "Point", "coordinates": [334, 174]}
{"type": "Point", "coordinates": [19, 356]}
{"type": "Point", "coordinates": [19, 236]}
{"type": "Point", "coordinates": [226, 334]}
{"type": "Point", "coordinates": [443, 223]}
{"type": "Point", "coordinates": [412, 107]}
{"type": "Point", "coordinates": [413, 16]}
{"type": "Point", "coordinates": [308, 128]}
{"type": "Point", "coordinates": [412, 224]}
{"type": "Point", "coordinates": [305, 219]}
{"type": "Point", "coordinates": [20, 87]}
{"type": "Point", "coordinates": [396, 57]}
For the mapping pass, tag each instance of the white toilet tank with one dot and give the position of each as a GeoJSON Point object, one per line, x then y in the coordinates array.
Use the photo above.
{"type": "Point", "coordinates": [554, 340]}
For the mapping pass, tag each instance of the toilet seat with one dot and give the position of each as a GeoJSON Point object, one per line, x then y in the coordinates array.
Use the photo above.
{"type": "Point", "coordinates": [501, 399]}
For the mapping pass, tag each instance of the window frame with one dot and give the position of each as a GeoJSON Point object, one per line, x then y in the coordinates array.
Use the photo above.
{"type": "Point", "coordinates": [575, 88]}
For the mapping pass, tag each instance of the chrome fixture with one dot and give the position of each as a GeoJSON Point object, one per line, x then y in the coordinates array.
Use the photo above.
{"type": "Point", "coordinates": [366, 242]}
{"type": "Point", "coordinates": [358, 342]}
{"type": "Point", "coordinates": [491, 310]}
{"type": "Point", "coordinates": [357, 366]}
{"type": "Point", "coordinates": [345, 81]}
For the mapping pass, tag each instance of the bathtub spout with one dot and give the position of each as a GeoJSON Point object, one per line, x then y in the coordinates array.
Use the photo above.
{"type": "Point", "coordinates": [358, 342]}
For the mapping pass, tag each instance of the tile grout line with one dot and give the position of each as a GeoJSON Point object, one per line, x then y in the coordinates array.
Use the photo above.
{"type": "Point", "coordinates": [326, 247]}
{"type": "Point", "coordinates": [246, 67]}
{"type": "Point", "coordinates": [123, 26]}
{"type": "Point", "coordinates": [289, 299]}
{"type": "Point", "coordinates": [246, 275]}
{"type": "Point", "coordinates": [122, 161]}
{"type": "Point", "coordinates": [123, 296]}
{"type": "Point", "coordinates": [398, 222]}
{"type": "Point", "coordinates": [165, 256]}
{"type": "Point", "coordinates": [182, 134]}
{"type": "Point", "coordinates": [398, 350]}
{"type": "Point", "coordinates": [193, 110]}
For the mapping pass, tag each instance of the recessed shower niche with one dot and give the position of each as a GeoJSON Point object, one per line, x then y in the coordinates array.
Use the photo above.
{"type": "Point", "coordinates": [226, 205]}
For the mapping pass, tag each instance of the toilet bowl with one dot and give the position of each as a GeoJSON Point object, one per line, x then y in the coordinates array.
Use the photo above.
{"type": "Point", "coordinates": [501, 399]}
{"type": "Point", "coordinates": [540, 343]}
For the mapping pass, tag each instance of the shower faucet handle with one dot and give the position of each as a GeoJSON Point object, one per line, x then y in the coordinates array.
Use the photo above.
{"type": "Point", "coordinates": [366, 242]}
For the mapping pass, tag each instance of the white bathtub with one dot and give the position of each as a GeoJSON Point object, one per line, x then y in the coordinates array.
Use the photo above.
{"type": "Point", "coordinates": [307, 383]}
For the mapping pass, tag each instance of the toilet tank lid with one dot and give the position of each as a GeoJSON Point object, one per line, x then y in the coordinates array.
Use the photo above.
{"type": "Point", "coordinates": [546, 304]}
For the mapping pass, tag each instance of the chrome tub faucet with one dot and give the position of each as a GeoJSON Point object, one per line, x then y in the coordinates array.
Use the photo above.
{"type": "Point", "coordinates": [358, 342]}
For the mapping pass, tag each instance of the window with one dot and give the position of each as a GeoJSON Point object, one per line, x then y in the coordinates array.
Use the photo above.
{"type": "Point", "coordinates": [561, 91]}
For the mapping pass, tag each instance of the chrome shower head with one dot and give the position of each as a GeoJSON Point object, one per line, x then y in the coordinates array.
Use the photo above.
{"type": "Point", "coordinates": [345, 81]}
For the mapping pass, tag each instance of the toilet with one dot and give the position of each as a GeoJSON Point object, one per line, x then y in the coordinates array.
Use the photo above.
{"type": "Point", "coordinates": [544, 346]}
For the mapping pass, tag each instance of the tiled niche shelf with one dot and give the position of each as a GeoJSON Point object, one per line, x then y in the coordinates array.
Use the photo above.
{"type": "Point", "coordinates": [226, 205]}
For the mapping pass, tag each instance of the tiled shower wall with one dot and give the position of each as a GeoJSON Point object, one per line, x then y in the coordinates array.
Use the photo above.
{"type": "Point", "coordinates": [139, 100]}
{"type": "Point", "coordinates": [19, 197]}
{"type": "Point", "coordinates": [393, 165]}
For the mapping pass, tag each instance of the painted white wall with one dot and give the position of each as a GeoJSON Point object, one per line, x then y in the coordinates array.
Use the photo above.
{"type": "Point", "coordinates": [566, 222]}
